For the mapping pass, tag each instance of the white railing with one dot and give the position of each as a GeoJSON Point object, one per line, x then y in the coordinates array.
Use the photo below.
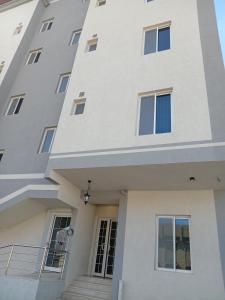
{"type": "Point", "coordinates": [32, 261]}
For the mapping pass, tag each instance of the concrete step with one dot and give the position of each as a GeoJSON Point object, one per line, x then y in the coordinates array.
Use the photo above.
{"type": "Point", "coordinates": [89, 292]}
{"type": "Point", "coordinates": [68, 296]}
{"type": "Point", "coordinates": [97, 280]}
{"type": "Point", "coordinates": [91, 285]}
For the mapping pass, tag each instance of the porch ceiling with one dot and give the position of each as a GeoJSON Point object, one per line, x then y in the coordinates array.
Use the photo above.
{"type": "Point", "coordinates": [210, 175]}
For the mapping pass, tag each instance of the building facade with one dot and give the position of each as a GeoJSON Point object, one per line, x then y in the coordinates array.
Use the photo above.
{"type": "Point", "coordinates": [121, 104]}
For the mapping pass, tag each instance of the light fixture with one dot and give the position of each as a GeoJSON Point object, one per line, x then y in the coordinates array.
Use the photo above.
{"type": "Point", "coordinates": [87, 195]}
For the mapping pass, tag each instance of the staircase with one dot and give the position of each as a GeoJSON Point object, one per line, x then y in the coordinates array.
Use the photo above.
{"type": "Point", "coordinates": [89, 288]}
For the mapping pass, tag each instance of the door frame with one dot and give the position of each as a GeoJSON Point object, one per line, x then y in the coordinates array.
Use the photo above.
{"type": "Point", "coordinates": [49, 234]}
{"type": "Point", "coordinates": [96, 238]}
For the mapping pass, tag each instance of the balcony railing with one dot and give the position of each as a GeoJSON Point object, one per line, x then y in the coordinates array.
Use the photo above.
{"type": "Point", "coordinates": [32, 261]}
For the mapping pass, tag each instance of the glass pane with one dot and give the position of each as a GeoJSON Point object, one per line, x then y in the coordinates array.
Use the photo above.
{"type": "Point", "coordinates": [37, 57]}
{"type": "Point", "coordinates": [44, 27]}
{"type": "Point", "coordinates": [164, 39]}
{"type": "Point", "coordinates": [93, 47]}
{"type": "Point", "coordinates": [12, 107]}
{"type": "Point", "coordinates": [163, 114]}
{"type": "Point", "coordinates": [146, 123]}
{"type": "Point", "coordinates": [32, 57]}
{"type": "Point", "coordinates": [150, 41]}
{"type": "Point", "coordinates": [76, 38]}
{"type": "Point", "coordinates": [79, 108]}
{"type": "Point", "coordinates": [183, 254]}
{"type": "Point", "coordinates": [48, 140]}
{"type": "Point", "coordinates": [165, 243]}
{"type": "Point", "coordinates": [50, 25]}
{"type": "Point", "coordinates": [63, 84]}
{"type": "Point", "coordinates": [19, 106]}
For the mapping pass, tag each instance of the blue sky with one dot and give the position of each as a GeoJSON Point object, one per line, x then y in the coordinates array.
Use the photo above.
{"type": "Point", "coordinates": [220, 10]}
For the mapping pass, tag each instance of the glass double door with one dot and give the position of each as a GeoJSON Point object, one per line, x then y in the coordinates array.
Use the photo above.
{"type": "Point", "coordinates": [105, 248]}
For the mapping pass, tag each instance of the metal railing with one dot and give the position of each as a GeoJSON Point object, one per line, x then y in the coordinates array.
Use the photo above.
{"type": "Point", "coordinates": [32, 261]}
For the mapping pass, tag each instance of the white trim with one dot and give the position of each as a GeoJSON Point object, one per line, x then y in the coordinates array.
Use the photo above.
{"type": "Point", "coordinates": [44, 137]}
{"type": "Point", "coordinates": [60, 82]}
{"type": "Point", "coordinates": [37, 51]}
{"type": "Point", "coordinates": [22, 176]}
{"type": "Point", "coordinates": [78, 31]}
{"type": "Point", "coordinates": [30, 187]}
{"type": "Point", "coordinates": [156, 149]}
{"type": "Point", "coordinates": [174, 218]}
{"type": "Point", "coordinates": [13, 98]}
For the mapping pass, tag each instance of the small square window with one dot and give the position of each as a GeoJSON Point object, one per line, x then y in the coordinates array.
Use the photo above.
{"type": "Point", "coordinates": [63, 83]}
{"type": "Point", "coordinates": [47, 140]}
{"type": "Point", "coordinates": [157, 39]}
{"type": "Point", "coordinates": [75, 37]}
{"type": "Point", "coordinates": [46, 25]}
{"type": "Point", "coordinates": [18, 29]}
{"type": "Point", "coordinates": [79, 106]}
{"type": "Point", "coordinates": [155, 114]}
{"type": "Point", "coordinates": [34, 57]}
{"type": "Point", "coordinates": [101, 2]}
{"type": "Point", "coordinates": [92, 45]}
{"type": "Point", "coordinates": [15, 105]}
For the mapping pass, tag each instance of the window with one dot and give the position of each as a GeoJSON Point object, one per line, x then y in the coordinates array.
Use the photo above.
{"type": "Point", "coordinates": [101, 2]}
{"type": "Point", "coordinates": [2, 66]}
{"type": "Point", "coordinates": [15, 105]}
{"type": "Point", "coordinates": [155, 114]}
{"type": "Point", "coordinates": [46, 25]}
{"type": "Point", "coordinates": [173, 243]}
{"type": "Point", "coordinates": [18, 29]}
{"type": "Point", "coordinates": [34, 57]}
{"type": "Point", "coordinates": [79, 106]}
{"type": "Point", "coordinates": [47, 140]}
{"type": "Point", "coordinates": [92, 45]}
{"type": "Point", "coordinates": [157, 39]}
{"type": "Point", "coordinates": [75, 37]}
{"type": "Point", "coordinates": [1, 154]}
{"type": "Point", "coordinates": [63, 83]}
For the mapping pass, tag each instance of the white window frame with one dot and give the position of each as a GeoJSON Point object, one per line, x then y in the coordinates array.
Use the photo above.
{"type": "Point", "coordinates": [37, 51]}
{"type": "Point", "coordinates": [44, 137]}
{"type": "Point", "coordinates": [91, 42]}
{"type": "Point", "coordinates": [60, 82]}
{"type": "Point", "coordinates": [173, 217]}
{"type": "Point", "coordinates": [2, 65]}
{"type": "Point", "coordinates": [46, 22]}
{"type": "Point", "coordinates": [10, 103]}
{"type": "Point", "coordinates": [73, 35]}
{"type": "Point", "coordinates": [156, 27]}
{"type": "Point", "coordinates": [77, 102]}
{"type": "Point", "coordinates": [155, 94]}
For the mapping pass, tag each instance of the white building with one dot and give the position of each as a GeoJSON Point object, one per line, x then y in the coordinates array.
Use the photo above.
{"type": "Point", "coordinates": [127, 94]}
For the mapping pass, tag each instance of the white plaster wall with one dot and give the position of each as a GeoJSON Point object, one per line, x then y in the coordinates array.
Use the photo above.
{"type": "Point", "coordinates": [141, 280]}
{"type": "Point", "coordinates": [114, 75]}
{"type": "Point", "coordinates": [28, 232]}
{"type": "Point", "coordinates": [9, 19]}
{"type": "Point", "coordinates": [107, 211]}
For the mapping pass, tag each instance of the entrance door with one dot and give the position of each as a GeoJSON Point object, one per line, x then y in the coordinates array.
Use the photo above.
{"type": "Point", "coordinates": [55, 260]}
{"type": "Point", "coordinates": [105, 248]}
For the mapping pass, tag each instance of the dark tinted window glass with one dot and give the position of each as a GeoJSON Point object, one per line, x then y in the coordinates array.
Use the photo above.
{"type": "Point", "coordinates": [183, 256]}
{"type": "Point", "coordinates": [164, 39]}
{"type": "Point", "coordinates": [163, 114]}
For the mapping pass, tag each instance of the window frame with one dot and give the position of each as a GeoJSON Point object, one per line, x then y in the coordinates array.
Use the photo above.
{"type": "Point", "coordinates": [61, 76]}
{"type": "Point", "coordinates": [156, 27]}
{"type": "Point", "coordinates": [174, 218]}
{"type": "Point", "coordinates": [48, 22]}
{"type": "Point", "coordinates": [91, 42]}
{"type": "Point", "coordinates": [37, 51]}
{"type": "Point", "coordinates": [77, 102]}
{"type": "Point", "coordinates": [73, 36]}
{"type": "Point", "coordinates": [44, 134]}
{"type": "Point", "coordinates": [155, 94]}
{"type": "Point", "coordinates": [99, 3]}
{"type": "Point", "coordinates": [19, 97]}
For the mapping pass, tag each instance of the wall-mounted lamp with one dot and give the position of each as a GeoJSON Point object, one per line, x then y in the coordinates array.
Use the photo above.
{"type": "Point", "coordinates": [87, 195]}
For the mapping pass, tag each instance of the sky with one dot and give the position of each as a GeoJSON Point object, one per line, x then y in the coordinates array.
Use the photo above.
{"type": "Point", "coordinates": [220, 10]}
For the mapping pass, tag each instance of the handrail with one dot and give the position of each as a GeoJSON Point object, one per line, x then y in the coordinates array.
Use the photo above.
{"type": "Point", "coordinates": [14, 259]}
